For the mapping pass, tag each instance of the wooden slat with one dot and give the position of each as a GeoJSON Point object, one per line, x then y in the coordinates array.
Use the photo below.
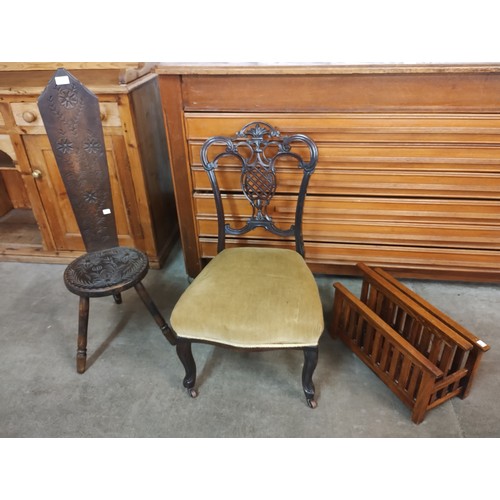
{"type": "Point", "coordinates": [394, 338]}
{"type": "Point", "coordinates": [450, 379]}
{"type": "Point", "coordinates": [432, 323]}
{"type": "Point", "coordinates": [434, 310]}
{"type": "Point", "coordinates": [445, 398]}
{"type": "Point", "coordinates": [404, 373]}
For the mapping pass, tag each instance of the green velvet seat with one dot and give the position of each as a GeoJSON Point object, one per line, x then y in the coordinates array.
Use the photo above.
{"type": "Point", "coordinates": [254, 297]}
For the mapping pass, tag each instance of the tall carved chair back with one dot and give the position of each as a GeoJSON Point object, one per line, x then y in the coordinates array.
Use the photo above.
{"type": "Point", "coordinates": [254, 297]}
{"type": "Point", "coordinates": [71, 116]}
{"type": "Point", "coordinates": [258, 147]}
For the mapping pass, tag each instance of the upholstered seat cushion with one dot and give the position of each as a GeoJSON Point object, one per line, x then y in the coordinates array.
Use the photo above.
{"type": "Point", "coordinates": [252, 298]}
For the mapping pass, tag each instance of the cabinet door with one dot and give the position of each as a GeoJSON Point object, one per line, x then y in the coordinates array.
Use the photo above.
{"type": "Point", "coordinates": [61, 219]}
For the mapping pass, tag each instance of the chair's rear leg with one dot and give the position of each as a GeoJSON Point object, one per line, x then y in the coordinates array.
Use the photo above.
{"type": "Point", "coordinates": [151, 306]}
{"type": "Point", "coordinates": [83, 322]}
{"type": "Point", "coordinates": [185, 354]}
{"type": "Point", "coordinates": [310, 362]}
{"type": "Point", "coordinates": [117, 297]}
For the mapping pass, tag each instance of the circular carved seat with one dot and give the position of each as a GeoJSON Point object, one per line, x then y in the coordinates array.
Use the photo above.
{"type": "Point", "coordinates": [106, 272]}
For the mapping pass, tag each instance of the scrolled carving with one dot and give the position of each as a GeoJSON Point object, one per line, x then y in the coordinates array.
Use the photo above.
{"type": "Point", "coordinates": [257, 147]}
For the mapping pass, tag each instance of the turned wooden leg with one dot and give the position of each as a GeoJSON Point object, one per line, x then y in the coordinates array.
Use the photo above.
{"type": "Point", "coordinates": [117, 298]}
{"type": "Point", "coordinates": [151, 306]}
{"type": "Point", "coordinates": [310, 362]}
{"type": "Point", "coordinates": [183, 348]}
{"type": "Point", "coordinates": [83, 321]}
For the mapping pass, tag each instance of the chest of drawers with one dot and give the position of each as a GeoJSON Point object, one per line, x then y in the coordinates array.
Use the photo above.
{"type": "Point", "coordinates": [408, 176]}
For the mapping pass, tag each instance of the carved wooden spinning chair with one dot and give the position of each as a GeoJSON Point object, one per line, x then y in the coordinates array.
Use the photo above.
{"type": "Point", "coordinates": [251, 297]}
{"type": "Point", "coordinates": [72, 119]}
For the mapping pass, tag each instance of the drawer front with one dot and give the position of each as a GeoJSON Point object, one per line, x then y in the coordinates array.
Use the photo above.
{"type": "Point", "coordinates": [428, 263]}
{"type": "Point", "coordinates": [365, 183]}
{"type": "Point", "coordinates": [27, 114]}
{"type": "Point", "coordinates": [400, 128]}
{"type": "Point", "coordinates": [439, 156]}
{"type": "Point", "coordinates": [425, 223]}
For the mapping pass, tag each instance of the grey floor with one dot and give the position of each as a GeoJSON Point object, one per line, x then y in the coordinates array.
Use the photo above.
{"type": "Point", "coordinates": [132, 387]}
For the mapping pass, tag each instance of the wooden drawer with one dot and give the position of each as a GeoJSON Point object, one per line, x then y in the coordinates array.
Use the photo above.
{"type": "Point", "coordinates": [369, 183]}
{"type": "Point", "coordinates": [392, 128]}
{"type": "Point", "coordinates": [421, 158]}
{"type": "Point", "coordinates": [426, 223]}
{"type": "Point", "coordinates": [399, 154]}
{"type": "Point", "coordinates": [26, 114]}
{"type": "Point", "coordinates": [429, 263]}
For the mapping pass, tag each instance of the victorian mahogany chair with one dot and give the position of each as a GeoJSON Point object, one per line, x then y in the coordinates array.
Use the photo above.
{"type": "Point", "coordinates": [252, 297]}
{"type": "Point", "coordinates": [71, 116]}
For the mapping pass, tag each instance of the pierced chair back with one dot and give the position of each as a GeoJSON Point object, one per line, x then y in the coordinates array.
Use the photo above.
{"type": "Point", "coordinates": [72, 120]}
{"type": "Point", "coordinates": [258, 147]}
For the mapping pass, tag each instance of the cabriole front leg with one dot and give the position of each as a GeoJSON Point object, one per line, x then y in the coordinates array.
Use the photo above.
{"type": "Point", "coordinates": [310, 362]}
{"type": "Point", "coordinates": [185, 354]}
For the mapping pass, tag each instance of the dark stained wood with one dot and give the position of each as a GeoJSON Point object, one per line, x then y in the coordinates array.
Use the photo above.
{"type": "Point", "coordinates": [72, 120]}
{"type": "Point", "coordinates": [257, 147]}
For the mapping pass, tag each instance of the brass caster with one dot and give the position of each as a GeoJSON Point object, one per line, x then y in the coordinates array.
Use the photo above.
{"type": "Point", "coordinates": [311, 403]}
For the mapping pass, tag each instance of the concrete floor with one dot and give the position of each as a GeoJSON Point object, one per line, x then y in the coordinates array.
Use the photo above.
{"type": "Point", "coordinates": [133, 384]}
